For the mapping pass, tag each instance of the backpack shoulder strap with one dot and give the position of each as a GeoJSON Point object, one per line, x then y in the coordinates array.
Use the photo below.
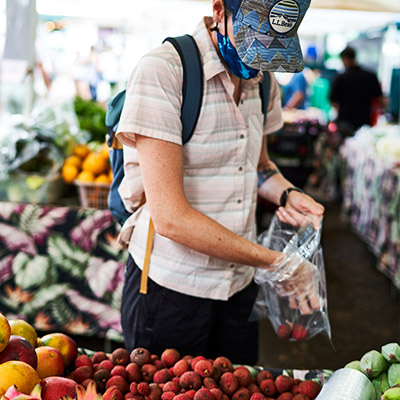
{"type": "Point", "coordinates": [265, 86]}
{"type": "Point", "coordinates": [193, 81]}
{"type": "Point", "coordinates": [113, 114]}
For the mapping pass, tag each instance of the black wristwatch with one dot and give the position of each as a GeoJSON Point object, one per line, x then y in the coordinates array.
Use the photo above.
{"type": "Point", "coordinates": [285, 194]}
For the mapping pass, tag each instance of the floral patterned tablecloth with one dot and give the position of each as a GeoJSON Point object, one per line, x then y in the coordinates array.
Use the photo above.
{"type": "Point", "coordinates": [61, 268]}
{"type": "Point", "coordinates": [371, 198]}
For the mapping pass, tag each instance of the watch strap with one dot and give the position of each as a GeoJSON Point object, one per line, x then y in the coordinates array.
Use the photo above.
{"type": "Point", "coordinates": [285, 194]}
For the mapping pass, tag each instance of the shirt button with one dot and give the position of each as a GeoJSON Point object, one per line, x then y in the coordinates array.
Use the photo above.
{"type": "Point", "coordinates": [241, 136]}
{"type": "Point", "coordinates": [241, 101]}
{"type": "Point", "coordinates": [239, 201]}
{"type": "Point", "coordinates": [231, 265]}
{"type": "Point", "coordinates": [240, 169]}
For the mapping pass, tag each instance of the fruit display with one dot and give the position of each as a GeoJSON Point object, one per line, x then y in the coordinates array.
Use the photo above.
{"type": "Point", "coordinates": [383, 369]}
{"type": "Point", "coordinates": [53, 368]}
{"type": "Point", "coordinates": [87, 163]}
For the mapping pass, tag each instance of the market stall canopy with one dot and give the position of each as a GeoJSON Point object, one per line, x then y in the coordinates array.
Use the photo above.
{"type": "Point", "coordinates": [364, 5]}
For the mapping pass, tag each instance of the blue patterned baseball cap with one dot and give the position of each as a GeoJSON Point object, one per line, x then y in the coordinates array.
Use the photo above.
{"type": "Point", "coordinates": [265, 33]}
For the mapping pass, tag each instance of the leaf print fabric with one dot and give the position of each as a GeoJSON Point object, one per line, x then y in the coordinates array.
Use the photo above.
{"type": "Point", "coordinates": [61, 268]}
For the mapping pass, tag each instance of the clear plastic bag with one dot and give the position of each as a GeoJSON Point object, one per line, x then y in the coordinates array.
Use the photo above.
{"type": "Point", "coordinates": [293, 293]}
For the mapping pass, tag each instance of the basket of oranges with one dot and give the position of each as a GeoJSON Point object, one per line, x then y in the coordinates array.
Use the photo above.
{"type": "Point", "coordinates": [90, 172]}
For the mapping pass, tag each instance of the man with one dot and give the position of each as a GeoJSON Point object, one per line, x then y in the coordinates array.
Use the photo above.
{"type": "Point", "coordinates": [202, 196]}
{"type": "Point", "coordinates": [295, 92]}
{"type": "Point", "coordinates": [352, 94]}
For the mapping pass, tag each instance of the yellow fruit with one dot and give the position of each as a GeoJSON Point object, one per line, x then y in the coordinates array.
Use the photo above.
{"type": "Point", "coordinates": [85, 176]}
{"type": "Point", "coordinates": [5, 332]}
{"type": "Point", "coordinates": [74, 160]}
{"type": "Point", "coordinates": [17, 373]}
{"type": "Point", "coordinates": [22, 328]}
{"type": "Point", "coordinates": [95, 163]}
{"type": "Point", "coordinates": [110, 175]}
{"type": "Point", "coordinates": [104, 151]}
{"type": "Point", "coordinates": [64, 344]}
{"type": "Point", "coordinates": [102, 178]}
{"type": "Point", "coordinates": [69, 172]}
{"type": "Point", "coordinates": [81, 150]}
{"type": "Point", "coordinates": [50, 362]}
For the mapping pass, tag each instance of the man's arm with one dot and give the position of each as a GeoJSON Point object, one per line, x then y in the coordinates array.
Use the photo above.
{"type": "Point", "coordinates": [161, 166]}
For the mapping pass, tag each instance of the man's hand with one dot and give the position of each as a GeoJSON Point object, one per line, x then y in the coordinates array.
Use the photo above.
{"type": "Point", "coordinates": [301, 210]}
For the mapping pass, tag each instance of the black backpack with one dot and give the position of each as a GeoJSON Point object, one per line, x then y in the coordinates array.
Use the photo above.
{"type": "Point", "coordinates": [192, 95]}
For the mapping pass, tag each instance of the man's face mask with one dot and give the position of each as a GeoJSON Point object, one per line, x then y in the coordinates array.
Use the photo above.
{"type": "Point", "coordinates": [231, 56]}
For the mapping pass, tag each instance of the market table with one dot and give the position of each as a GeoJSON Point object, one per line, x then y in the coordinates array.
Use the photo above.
{"type": "Point", "coordinates": [371, 197]}
{"type": "Point", "coordinates": [61, 268]}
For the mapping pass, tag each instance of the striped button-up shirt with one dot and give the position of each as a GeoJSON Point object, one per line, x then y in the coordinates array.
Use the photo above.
{"type": "Point", "coordinates": [220, 162]}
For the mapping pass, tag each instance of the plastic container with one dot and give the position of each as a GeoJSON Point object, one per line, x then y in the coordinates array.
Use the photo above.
{"type": "Point", "coordinates": [93, 195]}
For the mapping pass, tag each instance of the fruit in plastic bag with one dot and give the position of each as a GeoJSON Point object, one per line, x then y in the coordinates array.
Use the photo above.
{"type": "Point", "coordinates": [354, 365]}
{"type": "Point", "coordinates": [394, 375]}
{"type": "Point", "coordinates": [299, 332]}
{"type": "Point", "coordinates": [391, 394]}
{"type": "Point", "coordinates": [373, 364]}
{"type": "Point", "coordinates": [391, 352]}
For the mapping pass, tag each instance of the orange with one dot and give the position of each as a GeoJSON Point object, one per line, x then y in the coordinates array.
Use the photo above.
{"type": "Point", "coordinates": [5, 332]}
{"type": "Point", "coordinates": [104, 151]}
{"type": "Point", "coordinates": [81, 150]}
{"type": "Point", "coordinates": [63, 343]}
{"type": "Point", "coordinates": [102, 178]}
{"type": "Point", "coordinates": [69, 172]}
{"type": "Point", "coordinates": [95, 163]}
{"type": "Point", "coordinates": [74, 160]}
{"type": "Point", "coordinates": [50, 362]}
{"type": "Point", "coordinates": [85, 176]}
{"type": "Point", "coordinates": [22, 328]}
{"type": "Point", "coordinates": [110, 175]}
{"type": "Point", "coordinates": [17, 373]}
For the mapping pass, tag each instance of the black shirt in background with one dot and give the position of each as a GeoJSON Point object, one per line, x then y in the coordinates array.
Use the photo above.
{"type": "Point", "coordinates": [353, 91]}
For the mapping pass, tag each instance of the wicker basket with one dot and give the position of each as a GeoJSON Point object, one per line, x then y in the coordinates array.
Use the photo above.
{"type": "Point", "coordinates": [93, 195]}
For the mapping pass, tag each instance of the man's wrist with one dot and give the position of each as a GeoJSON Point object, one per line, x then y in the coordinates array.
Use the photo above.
{"type": "Point", "coordinates": [285, 195]}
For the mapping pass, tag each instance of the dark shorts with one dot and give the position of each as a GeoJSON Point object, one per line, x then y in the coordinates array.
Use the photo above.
{"type": "Point", "coordinates": [164, 319]}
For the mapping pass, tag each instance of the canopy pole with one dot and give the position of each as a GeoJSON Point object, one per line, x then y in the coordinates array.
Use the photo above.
{"type": "Point", "coordinates": [30, 70]}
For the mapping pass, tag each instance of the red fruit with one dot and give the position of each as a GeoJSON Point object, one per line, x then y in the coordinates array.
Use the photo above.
{"type": "Point", "coordinates": [204, 368]}
{"type": "Point", "coordinates": [283, 383]}
{"type": "Point", "coordinates": [83, 360]}
{"type": "Point", "coordinates": [241, 394]}
{"type": "Point", "coordinates": [310, 388]}
{"type": "Point", "coordinates": [168, 395]}
{"type": "Point", "coordinates": [19, 349]}
{"type": "Point", "coordinates": [143, 388]}
{"type": "Point", "coordinates": [120, 356]}
{"type": "Point", "coordinates": [86, 382]}
{"type": "Point", "coordinates": [285, 396]}
{"type": "Point", "coordinates": [196, 360]}
{"type": "Point", "coordinates": [101, 376]}
{"type": "Point", "coordinates": [133, 388]}
{"type": "Point", "coordinates": [203, 394]}
{"type": "Point", "coordinates": [217, 393]}
{"type": "Point", "coordinates": [141, 356]}
{"type": "Point", "coordinates": [181, 367]}
{"type": "Point", "coordinates": [243, 374]}
{"type": "Point", "coordinates": [148, 370]}
{"type": "Point", "coordinates": [216, 375]}
{"type": "Point", "coordinates": [172, 387]}
{"type": "Point", "coordinates": [229, 383]}
{"type": "Point", "coordinates": [267, 386]}
{"type": "Point", "coordinates": [257, 396]}
{"type": "Point", "coordinates": [113, 393]}
{"type": "Point", "coordinates": [284, 331]}
{"type": "Point", "coordinates": [209, 383]}
{"type": "Point", "coordinates": [158, 364]}
{"type": "Point", "coordinates": [162, 376]}
{"type": "Point", "coordinates": [296, 389]}
{"type": "Point", "coordinates": [155, 392]}
{"type": "Point", "coordinates": [264, 374]}
{"type": "Point", "coordinates": [129, 395]}
{"type": "Point", "coordinates": [190, 393]}
{"type": "Point", "coordinates": [82, 373]}
{"type": "Point", "coordinates": [170, 356]}
{"type": "Point", "coordinates": [119, 370]}
{"type": "Point", "coordinates": [299, 332]}
{"type": "Point", "coordinates": [118, 381]}
{"type": "Point", "coordinates": [253, 388]}
{"type": "Point", "coordinates": [183, 396]}
{"type": "Point", "coordinates": [106, 364]}
{"type": "Point", "coordinates": [133, 371]}
{"type": "Point", "coordinates": [300, 397]}
{"type": "Point", "coordinates": [98, 357]}
{"type": "Point", "coordinates": [224, 364]}
{"type": "Point", "coordinates": [55, 387]}
{"type": "Point", "coordinates": [190, 380]}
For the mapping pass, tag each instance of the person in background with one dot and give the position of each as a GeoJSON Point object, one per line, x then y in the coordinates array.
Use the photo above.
{"type": "Point", "coordinates": [295, 92]}
{"type": "Point", "coordinates": [353, 94]}
{"type": "Point", "coordinates": [202, 196]}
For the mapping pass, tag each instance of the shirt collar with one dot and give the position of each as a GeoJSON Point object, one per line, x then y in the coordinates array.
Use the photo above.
{"type": "Point", "coordinates": [212, 64]}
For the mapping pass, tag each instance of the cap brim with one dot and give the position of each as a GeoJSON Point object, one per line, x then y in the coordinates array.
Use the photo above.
{"type": "Point", "coordinates": [266, 52]}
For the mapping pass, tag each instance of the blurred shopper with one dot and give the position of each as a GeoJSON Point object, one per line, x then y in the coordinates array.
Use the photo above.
{"type": "Point", "coordinates": [354, 93]}
{"type": "Point", "coordinates": [202, 196]}
{"type": "Point", "coordinates": [295, 92]}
